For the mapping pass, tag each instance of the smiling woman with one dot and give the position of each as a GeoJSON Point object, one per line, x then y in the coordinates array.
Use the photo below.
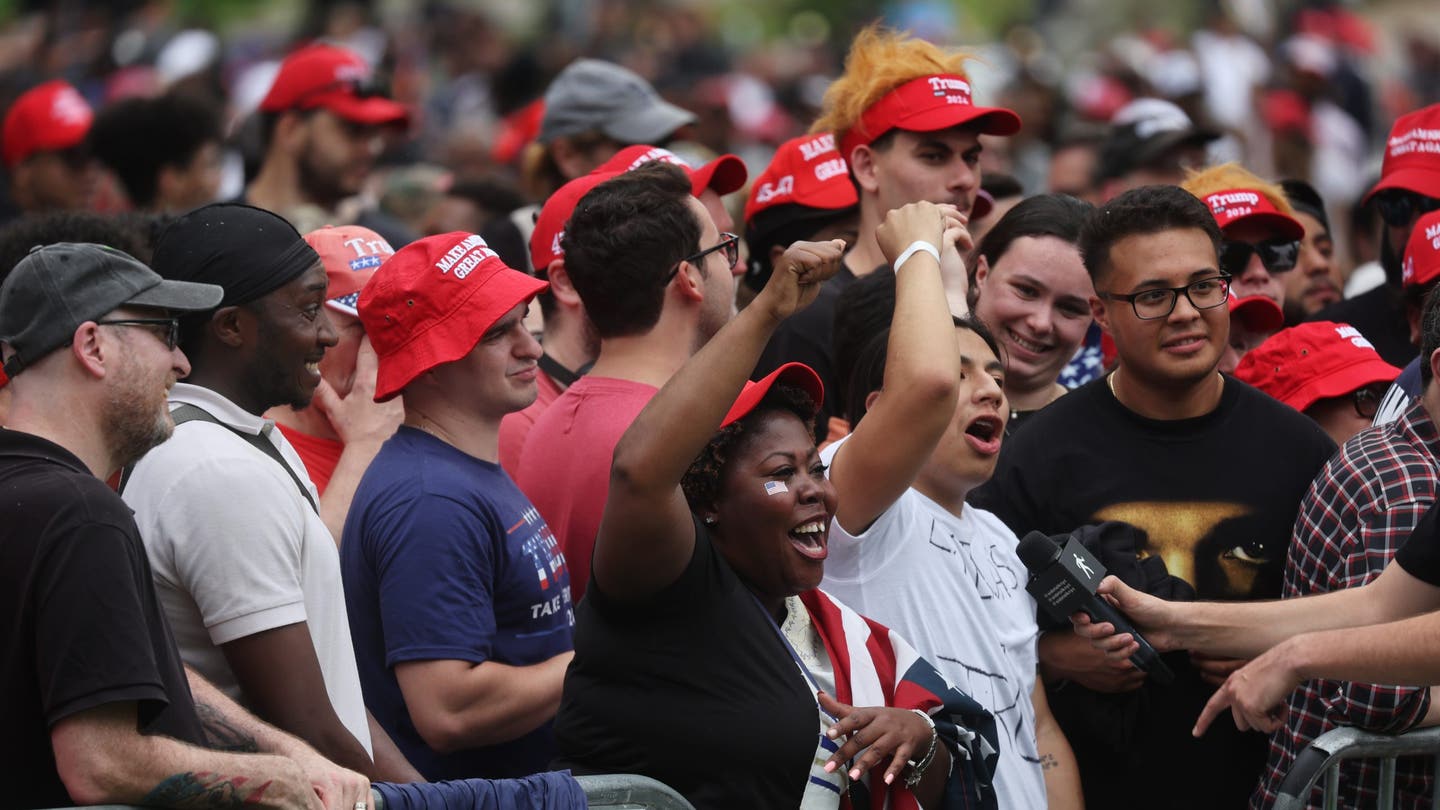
{"type": "Point", "coordinates": [705, 657]}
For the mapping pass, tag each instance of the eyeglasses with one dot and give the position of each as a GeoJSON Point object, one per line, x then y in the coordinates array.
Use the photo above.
{"type": "Point", "coordinates": [729, 242]}
{"type": "Point", "coordinates": [1366, 401]}
{"type": "Point", "coordinates": [1398, 207]}
{"type": "Point", "coordinates": [172, 327]}
{"type": "Point", "coordinates": [1278, 255]}
{"type": "Point", "coordinates": [1149, 305]}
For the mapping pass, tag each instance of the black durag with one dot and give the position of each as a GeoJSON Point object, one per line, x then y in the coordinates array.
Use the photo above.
{"type": "Point", "coordinates": [247, 250]}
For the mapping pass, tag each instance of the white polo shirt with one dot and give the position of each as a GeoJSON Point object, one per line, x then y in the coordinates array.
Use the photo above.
{"type": "Point", "coordinates": [236, 550]}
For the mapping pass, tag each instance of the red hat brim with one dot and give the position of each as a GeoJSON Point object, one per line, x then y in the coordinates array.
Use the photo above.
{"type": "Point", "coordinates": [798, 375]}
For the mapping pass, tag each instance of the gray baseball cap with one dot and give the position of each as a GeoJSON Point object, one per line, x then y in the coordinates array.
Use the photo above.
{"type": "Point", "coordinates": [58, 287]}
{"type": "Point", "coordinates": [590, 95]}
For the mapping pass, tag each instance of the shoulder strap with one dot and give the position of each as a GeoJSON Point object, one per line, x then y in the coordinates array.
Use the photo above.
{"type": "Point", "coordinates": [190, 413]}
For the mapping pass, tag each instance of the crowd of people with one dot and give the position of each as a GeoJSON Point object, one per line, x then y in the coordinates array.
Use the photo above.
{"type": "Point", "coordinates": [329, 483]}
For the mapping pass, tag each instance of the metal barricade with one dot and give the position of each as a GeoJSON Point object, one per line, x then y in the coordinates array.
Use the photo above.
{"type": "Point", "coordinates": [1321, 759]}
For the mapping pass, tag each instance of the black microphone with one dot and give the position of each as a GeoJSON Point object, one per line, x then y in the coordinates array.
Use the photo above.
{"type": "Point", "coordinates": [1063, 581]}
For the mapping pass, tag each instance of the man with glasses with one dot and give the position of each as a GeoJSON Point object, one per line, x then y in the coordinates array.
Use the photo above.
{"type": "Point", "coordinates": [323, 125]}
{"type": "Point", "coordinates": [1185, 457]}
{"type": "Point", "coordinates": [1409, 187]}
{"type": "Point", "coordinates": [657, 279]}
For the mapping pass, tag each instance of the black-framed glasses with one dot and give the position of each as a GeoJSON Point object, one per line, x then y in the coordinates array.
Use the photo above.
{"type": "Point", "coordinates": [172, 327]}
{"type": "Point", "coordinates": [729, 242]}
{"type": "Point", "coordinates": [1366, 401]}
{"type": "Point", "coordinates": [1149, 305]}
{"type": "Point", "coordinates": [1278, 255]}
{"type": "Point", "coordinates": [1398, 206]}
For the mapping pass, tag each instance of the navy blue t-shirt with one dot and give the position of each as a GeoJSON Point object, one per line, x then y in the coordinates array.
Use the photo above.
{"type": "Point", "coordinates": [444, 558]}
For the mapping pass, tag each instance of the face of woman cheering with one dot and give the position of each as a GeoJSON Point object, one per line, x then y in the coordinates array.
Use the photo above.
{"type": "Point", "coordinates": [772, 519]}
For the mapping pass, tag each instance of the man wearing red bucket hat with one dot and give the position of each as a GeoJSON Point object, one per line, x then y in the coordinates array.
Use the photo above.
{"type": "Point", "coordinates": [908, 130]}
{"type": "Point", "coordinates": [324, 122]}
{"type": "Point", "coordinates": [458, 592]}
{"type": "Point", "coordinates": [1409, 187]}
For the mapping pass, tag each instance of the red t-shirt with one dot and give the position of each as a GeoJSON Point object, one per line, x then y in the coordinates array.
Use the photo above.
{"type": "Point", "coordinates": [565, 466]}
{"type": "Point", "coordinates": [515, 427]}
{"type": "Point", "coordinates": [319, 454]}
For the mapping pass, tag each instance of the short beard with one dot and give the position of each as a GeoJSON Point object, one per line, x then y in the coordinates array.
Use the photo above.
{"type": "Point", "coordinates": [320, 187]}
{"type": "Point", "coordinates": [129, 435]}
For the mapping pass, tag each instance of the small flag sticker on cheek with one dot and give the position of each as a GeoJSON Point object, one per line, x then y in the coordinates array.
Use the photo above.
{"type": "Point", "coordinates": [775, 487]}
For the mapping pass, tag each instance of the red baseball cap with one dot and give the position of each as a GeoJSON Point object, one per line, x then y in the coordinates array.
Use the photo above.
{"type": "Point", "coordinates": [550, 222]}
{"type": "Point", "coordinates": [1259, 314]}
{"type": "Point", "coordinates": [1248, 205]}
{"type": "Point", "coordinates": [807, 171]}
{"type": "Point", "coordinates": [350, 254]}
{"type": "Point", "coordinates": [1422, 254]}
{"type": "Point", "coordinates": [798, 375]}
{"type": "Point", "coordinates": [433, 301]}
{"type": "Point", "coordinates": [49, 118]}
{"type": "Point", "coordinates": [927, 104]}
{"type": "Point", "coordinates": [723, 175]}
{"type": "Point", "coordinates": [335, 79]}
{"type": "Point", "coordinates": [1313, 361]}
{"type": "Point", "coordinates": [1412, 154]}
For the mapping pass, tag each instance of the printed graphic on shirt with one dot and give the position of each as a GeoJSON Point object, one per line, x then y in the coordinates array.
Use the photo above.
{"type": "Point", "coordinates": [1203, 543]}
{"type": "Point", "coordinates": [543, 550]}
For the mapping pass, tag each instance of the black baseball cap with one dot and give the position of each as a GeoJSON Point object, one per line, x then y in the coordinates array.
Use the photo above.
{"type": "Point", "coordinates": [57, 287]}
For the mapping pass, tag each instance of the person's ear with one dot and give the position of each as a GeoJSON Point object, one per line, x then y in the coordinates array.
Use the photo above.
{"type": "Point", "coordinates": [232, 326]}
{"type": "Point", "coordinates": [90, 350]}
{"type": "Point", "coordinates": [690, 281]}
{"type": "Point", "coordinates": [871, 398]}
{"type": "Point", "coordinates": [862, 165]}
{"type": "Point", "coordinates": [1100, 314]}
{"type": "Point", "coordinates": [291, 130]}
{"type": "Point", "coordinates": [560, 284]}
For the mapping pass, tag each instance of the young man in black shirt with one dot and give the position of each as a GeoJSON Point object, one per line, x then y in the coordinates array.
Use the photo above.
{"type": "Point", "coordinates": [1208, 471]}
{"type": "Point", "coordinates": [96, 705]}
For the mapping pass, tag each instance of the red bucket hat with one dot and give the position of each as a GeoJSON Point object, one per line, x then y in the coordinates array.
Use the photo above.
{"type": "Point", "coordinates": [350, 254]}
{"type": "Point", "coordinates": [1412, 154]}
{"type": "Point", "coordinates": [335, 79]}
{"type": "Point", "coordinates": [432, 302]}
{"type": "Point", "coordinates": [723, 175]}
{"type": "Point", "coordinates": [927, 104]}
{"type": "Point", "coordinates": [1313, 361]}
{"type": "Point", "coordinates": [1422, 254]}
{"type": "Point", "coordinates": [1248, 205]}
{"type": "Point", "coordinates": [807, 171]}
{"type": "Point", "coordinates": [49, 118]}
{"type": "Point", "coordinates": [798, 375]}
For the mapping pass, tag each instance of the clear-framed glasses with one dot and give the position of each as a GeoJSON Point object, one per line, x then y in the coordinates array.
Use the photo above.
{"type": "Point", "coordinates": [1149, 305]}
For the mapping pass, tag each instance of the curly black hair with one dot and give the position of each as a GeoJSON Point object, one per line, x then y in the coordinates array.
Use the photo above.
{"type": "Point", "coordinates": [701, 483]}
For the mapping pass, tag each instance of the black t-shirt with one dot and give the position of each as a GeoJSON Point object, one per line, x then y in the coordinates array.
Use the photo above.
{"type": "Point", "coordinates": [805, 337]}
{"type": "Point", "coordinates": [692, 687]}
{"type": "Point", "coordinates": [83, 628]}
{"type": "Point", "coordinates": [1216, 496]}
{"type": "Point", "coordinates": [1420, 554]}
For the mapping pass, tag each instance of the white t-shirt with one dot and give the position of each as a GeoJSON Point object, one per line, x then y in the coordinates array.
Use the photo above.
{"type": "Point", "coordinates": [236, 550]}
{"type": "Point", "coordinates": [955, 589]}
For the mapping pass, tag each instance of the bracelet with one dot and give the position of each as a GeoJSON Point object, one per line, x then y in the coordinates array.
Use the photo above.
{"type": "Point", "coordinates": [916, 247]}
{"type": "Point", "coordinates": [917, 769]}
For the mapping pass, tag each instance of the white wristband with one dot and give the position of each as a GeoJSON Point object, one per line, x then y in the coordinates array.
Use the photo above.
{"type": "Point", "coordinates": [917, 246]}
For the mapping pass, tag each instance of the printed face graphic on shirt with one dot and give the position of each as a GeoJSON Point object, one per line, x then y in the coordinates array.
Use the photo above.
{"type": "Point", "coordinates": [1204, 543]}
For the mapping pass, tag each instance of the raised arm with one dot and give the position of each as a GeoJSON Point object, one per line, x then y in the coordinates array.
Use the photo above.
{"type": "Point", "coordinates": [646, 537]}
{"type": "Point", "coordinates": [922, 374]}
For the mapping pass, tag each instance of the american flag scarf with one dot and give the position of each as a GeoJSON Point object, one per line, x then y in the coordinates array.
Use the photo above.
{"type": "Point", "coordinates": [874, 666]}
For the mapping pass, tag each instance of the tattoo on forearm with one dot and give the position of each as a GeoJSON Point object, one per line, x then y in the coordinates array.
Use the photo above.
{"type": "Point", "coordinates": [1048, 762]}
{"type": "Point", "coordinates": [204, 789]}
{"type": "Point", "coordinates": [221, 734]}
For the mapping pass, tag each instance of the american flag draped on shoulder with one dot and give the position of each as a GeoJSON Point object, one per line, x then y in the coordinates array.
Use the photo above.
{"type": "Point", "coordinates": [874, 666]}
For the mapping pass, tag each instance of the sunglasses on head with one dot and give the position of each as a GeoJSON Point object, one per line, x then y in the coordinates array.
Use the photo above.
{"type": "Point", "coordinates": [1277, 255]}
{"type": "Point", "coordinates": [1398, 207]}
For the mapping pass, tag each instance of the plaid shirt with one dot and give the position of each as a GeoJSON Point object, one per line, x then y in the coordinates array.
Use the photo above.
{"type": "Point", "coordinates": [1360, 508]}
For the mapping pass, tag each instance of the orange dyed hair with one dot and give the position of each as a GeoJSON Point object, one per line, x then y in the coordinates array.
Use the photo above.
{"type": "Point", "coordinates": [879, 61]}
{"type": "Point", "coordinates": [1230, 176]}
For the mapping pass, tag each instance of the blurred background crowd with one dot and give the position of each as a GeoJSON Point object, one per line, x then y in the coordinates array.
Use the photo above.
{"type": "Point", "coordinates": [1303, 89]}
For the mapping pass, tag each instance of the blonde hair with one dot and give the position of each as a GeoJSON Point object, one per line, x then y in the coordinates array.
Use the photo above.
{"type": "Point", "coordinates": [879, 61]}
{"type": "Point", "coordinates": [1231, 176]}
